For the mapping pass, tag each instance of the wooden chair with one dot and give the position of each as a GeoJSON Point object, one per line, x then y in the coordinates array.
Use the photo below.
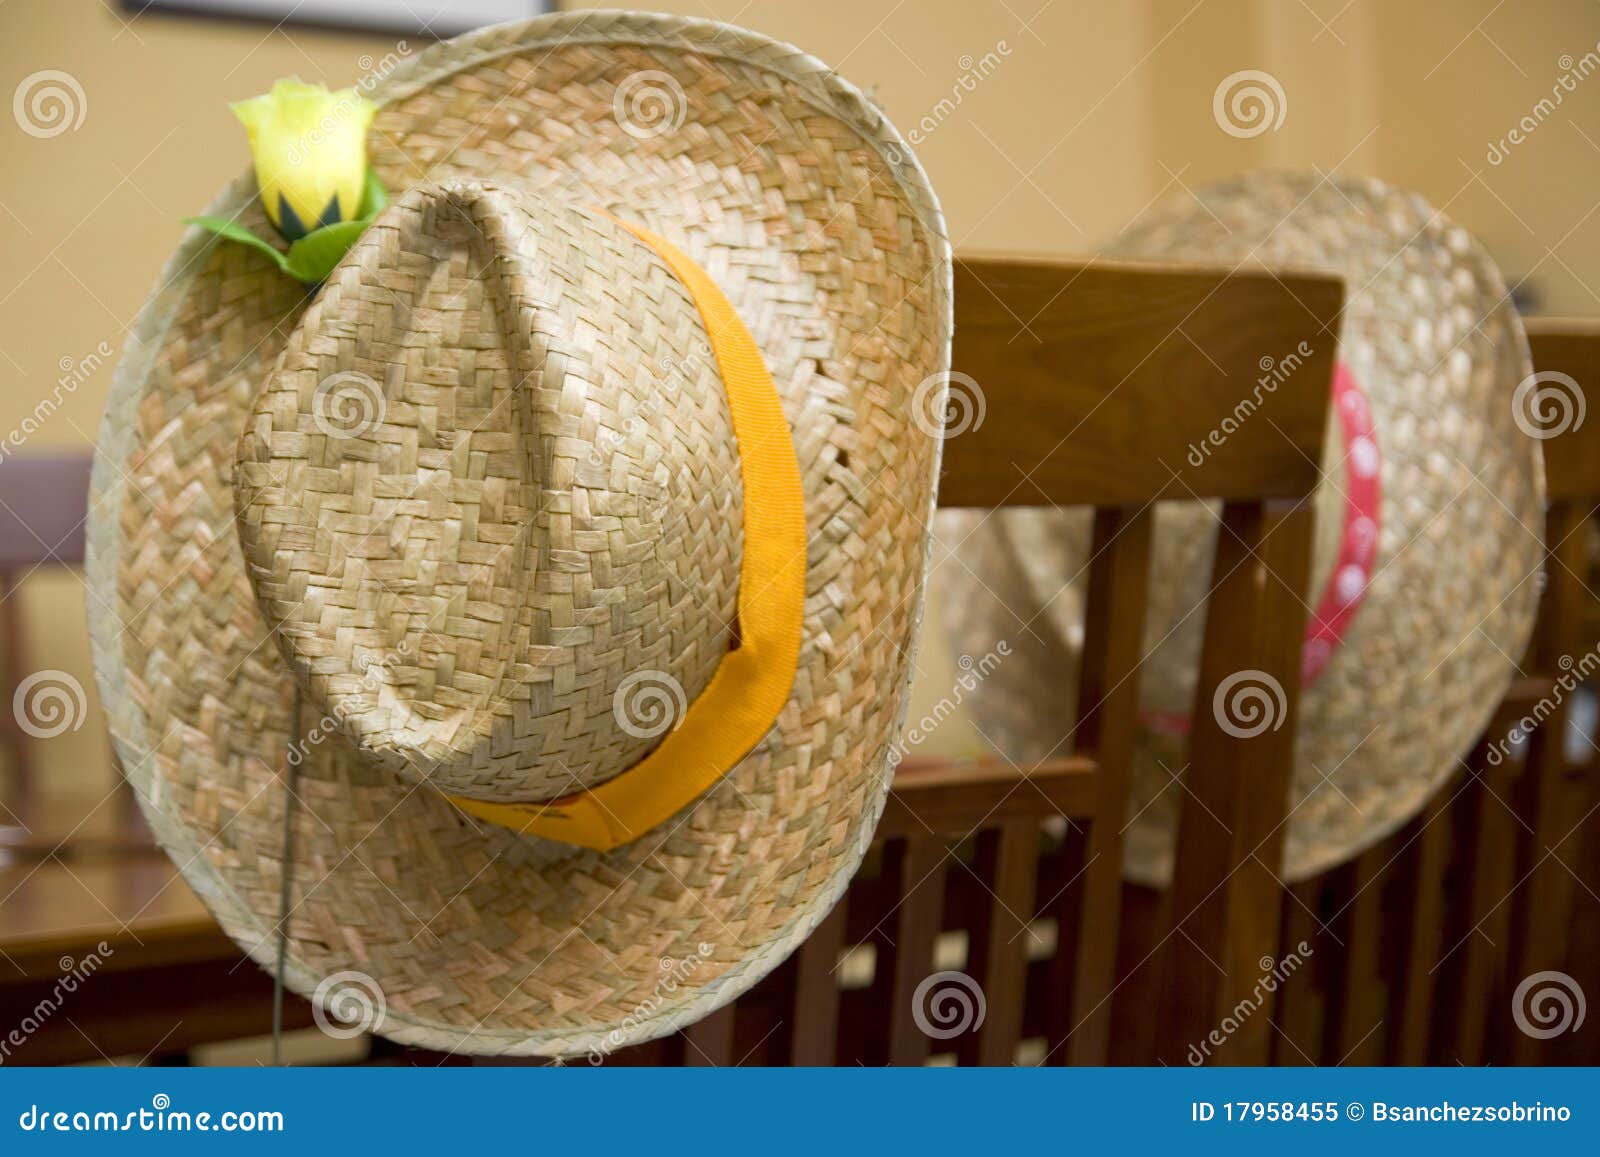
{"type": "Point", "coordinates": [1498, 878]}
{"type": "Point", "coordinates": [1096, 377]}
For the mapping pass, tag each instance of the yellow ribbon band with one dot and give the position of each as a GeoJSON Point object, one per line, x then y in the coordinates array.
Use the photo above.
{"type": "Point", "coordinates": [752, 682]}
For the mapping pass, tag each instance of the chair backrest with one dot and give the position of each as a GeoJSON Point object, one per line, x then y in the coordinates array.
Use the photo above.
{"type": "Point", "coordinates": [1497, 878]}
{"type": "Point", "coordinates": [984, 924]}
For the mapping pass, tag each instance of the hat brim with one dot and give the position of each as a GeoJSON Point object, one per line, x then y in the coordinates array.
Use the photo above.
{"type": "Point", "coordinates": [787, 185]}
{"type": "Point", "coordinates": [1431, 334]}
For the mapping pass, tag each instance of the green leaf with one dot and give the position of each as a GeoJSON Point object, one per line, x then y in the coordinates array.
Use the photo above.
{"type": "Point", "coordinates": [313, 257]}
{"type": "Point", "coordinates": [374, 197]}
{"type": "Point", "coordinates": [234, 231]}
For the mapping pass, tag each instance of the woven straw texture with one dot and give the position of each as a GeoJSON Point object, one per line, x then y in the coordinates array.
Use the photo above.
{"type": "Point", "coordinates": [465, 539]}
{"type": "Point", "coordinates": [1429, 332]}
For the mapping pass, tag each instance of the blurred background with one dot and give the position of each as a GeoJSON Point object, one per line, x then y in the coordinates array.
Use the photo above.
{"type": "Point", "coordinates": [1046, 126]}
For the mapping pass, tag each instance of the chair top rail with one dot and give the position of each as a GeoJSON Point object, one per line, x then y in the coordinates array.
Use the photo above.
{"type": "Point", "coordinates": [1113, 383]}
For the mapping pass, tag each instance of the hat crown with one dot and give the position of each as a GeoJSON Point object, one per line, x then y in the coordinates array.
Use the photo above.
{"type": "Point", "coordinates": [490, 500]}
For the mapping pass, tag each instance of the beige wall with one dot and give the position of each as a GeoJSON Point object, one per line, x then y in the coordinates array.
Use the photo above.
{"type": "Point", "coordinates": [1091, 110]}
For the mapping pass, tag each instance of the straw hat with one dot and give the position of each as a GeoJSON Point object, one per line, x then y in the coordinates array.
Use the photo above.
{"type": "Point", "coordinates": [559, 645]}
{"type": "Point", "coordinates": [1427, 545]}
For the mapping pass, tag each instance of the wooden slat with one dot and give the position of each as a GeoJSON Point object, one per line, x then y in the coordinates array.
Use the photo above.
{"type": "Point", "coordinates": [917, 926]}
{"type": "Point", "coordinates": [1226, 895]}
{"type": "Point", "coordinates": [1422, 872]}
{"type": "Point", "coordinates": [816, 993]}
{"type": "Point", "coordinates": [1358, 1006]}
{"type": "Point", "coordinates": [1005, 955]}
{"type": "Point", "coordinates": [1302, 1003]}
{"type": "Point", "coordinates": [937, 796]}
{"type": "Point", "coordinates": [1108, 718]}
{"type": "Point", "coordinates": [1101, 380]}
{"type": "Point", "coordinates": [1541, 910]}
{"type": "Point", "coordinates": [1482, 948]}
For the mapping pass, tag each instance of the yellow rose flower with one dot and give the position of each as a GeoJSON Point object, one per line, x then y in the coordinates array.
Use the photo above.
{"type": "Point", "coordinates": [310, 150]}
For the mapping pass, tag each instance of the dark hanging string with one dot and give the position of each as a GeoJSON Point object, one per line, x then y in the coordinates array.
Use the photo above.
{"type": "Point", "coordinates": [291, 776]}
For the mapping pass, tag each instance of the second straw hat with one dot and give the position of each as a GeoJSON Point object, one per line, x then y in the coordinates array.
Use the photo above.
{"type": "Point", "coordinates": [1428, 549]}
